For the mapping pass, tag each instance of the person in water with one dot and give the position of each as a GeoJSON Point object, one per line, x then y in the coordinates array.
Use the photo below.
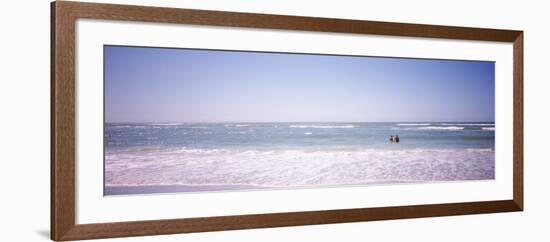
{"type": "Point", "coordinates": [396, 138]}
{"type": "Point", "coordinates": [391, 139]}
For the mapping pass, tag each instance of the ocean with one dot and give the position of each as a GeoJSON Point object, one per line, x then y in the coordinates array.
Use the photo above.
{"type": "Point", "coordinates": [191, 157]}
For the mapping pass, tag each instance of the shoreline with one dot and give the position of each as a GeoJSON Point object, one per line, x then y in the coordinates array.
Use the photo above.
{"type": "Point", "coordinates": [178, 189]}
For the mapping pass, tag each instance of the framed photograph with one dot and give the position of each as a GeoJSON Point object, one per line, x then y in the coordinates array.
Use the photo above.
{"type": "Point", "coordinates": [172, 120]}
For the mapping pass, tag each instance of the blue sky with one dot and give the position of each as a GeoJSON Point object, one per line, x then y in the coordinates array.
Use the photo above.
{"type": "Point", "coordinates": [183, 85]}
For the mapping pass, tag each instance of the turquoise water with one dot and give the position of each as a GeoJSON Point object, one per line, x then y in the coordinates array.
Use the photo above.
{"type": "Point", "coordinates": [300, 135]}
{"type": "Point", "coordinates": [296, 154]}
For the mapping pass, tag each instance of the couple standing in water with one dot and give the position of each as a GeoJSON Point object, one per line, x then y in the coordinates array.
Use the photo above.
{"type": "Point", "coordinates": [394, 138]}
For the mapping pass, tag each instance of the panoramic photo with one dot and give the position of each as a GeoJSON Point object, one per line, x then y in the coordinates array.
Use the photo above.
{"type": "Point", "coordinates": [195, 120]}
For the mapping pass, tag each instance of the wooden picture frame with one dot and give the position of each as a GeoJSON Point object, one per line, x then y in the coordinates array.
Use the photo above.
{"type": "Point", "coordinates": [63, 17]}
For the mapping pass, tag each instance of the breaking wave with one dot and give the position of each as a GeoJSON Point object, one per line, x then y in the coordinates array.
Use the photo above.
{"type": "Point", "coordinates": [472, 124]}
{"type": "Point", "coordinates": [236, 125]}
{"type": "Point", "coordinates": [441, 128]}
{"type": "Point", "coordinates": [346, 126]}
{"type": "Point", "coordinates": [414, 124]}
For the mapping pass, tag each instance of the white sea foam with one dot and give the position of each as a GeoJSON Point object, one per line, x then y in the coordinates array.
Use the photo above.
{"type": "Point", "coordinates": [488, 128]}
{"type": "Point", "coordinates": [287, 168]}
{"type": "Point", "coordinates": [344, 126]}
{"type": "Point", "coordinates": [480, 150]}
{"type": "Point", "coordinates": [414, 124]}
{"type": "Point", "coordinates": [307, 133]}
{"type": "Point", "coordinates": [167, 124]}
{"type": "Point", "coordinates": [130, 127]}
{"type": "Point", "coordinates": [237, 132]}
{"type": "Point", "coordinates": [472, 124]}
{"type": "Point", "coordinates": [236, 125]}
{"type": "Point", "coordinates": [241, 125]}
{"type": "Point", "coordinates": [441, 128]}
{"type": "Point", "coordinates": [122, 126]}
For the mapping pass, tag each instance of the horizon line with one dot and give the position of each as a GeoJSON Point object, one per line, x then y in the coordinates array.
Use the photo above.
{"type": "Point", "coordinates": [160, 122]}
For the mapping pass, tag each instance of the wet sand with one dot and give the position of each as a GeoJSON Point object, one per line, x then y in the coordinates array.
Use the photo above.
{"type": "Point", "coordinates": [124, 190]}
